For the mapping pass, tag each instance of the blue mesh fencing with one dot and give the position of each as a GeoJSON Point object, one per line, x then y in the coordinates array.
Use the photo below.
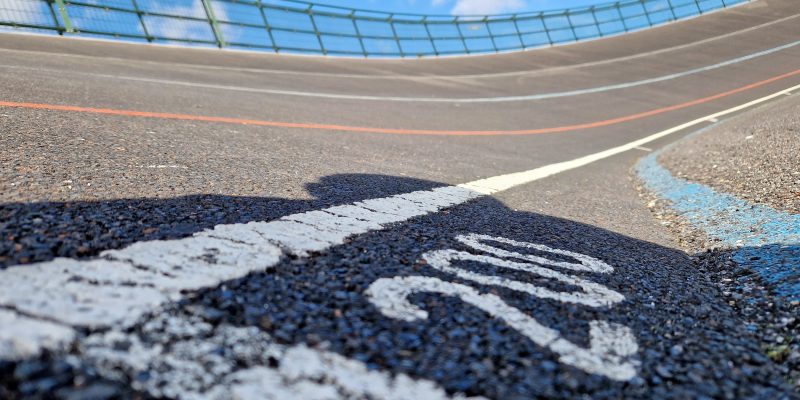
{"type": "Point", "coordinates": [295, 26]}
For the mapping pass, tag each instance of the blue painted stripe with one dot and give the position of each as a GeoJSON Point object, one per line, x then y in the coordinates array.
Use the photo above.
{"type": "Point", "coordinates": [766, 240]}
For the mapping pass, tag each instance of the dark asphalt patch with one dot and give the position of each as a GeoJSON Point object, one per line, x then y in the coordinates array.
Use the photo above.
{"type": "Point", "coordinates": [37, 232]}
{"type": "Point", "coordinates": [691, 343]}
{"type": "Point", "coordinates": [769, 317]}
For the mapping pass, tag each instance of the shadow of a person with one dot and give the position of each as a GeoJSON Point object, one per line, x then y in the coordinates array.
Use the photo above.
{"type": "Point", "coordinates": [689, 341]}
{"type": "Point", "coordinates": [41, 231]}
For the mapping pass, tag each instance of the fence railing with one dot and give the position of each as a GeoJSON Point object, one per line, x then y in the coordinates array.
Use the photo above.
{"type": "Point", "coordinates": [302, 27]}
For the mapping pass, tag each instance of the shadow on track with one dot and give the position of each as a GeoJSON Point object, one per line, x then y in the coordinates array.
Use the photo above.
{"type": "Point", "coordinates": [35, 232]}
{"type": "Point", "coordinates": [690, 342]}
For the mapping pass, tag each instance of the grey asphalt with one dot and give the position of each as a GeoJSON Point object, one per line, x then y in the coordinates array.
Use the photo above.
{"type": "Point", "coordinates": [754, 159]}
{"type": "Point", "coordinates": [75, 184]}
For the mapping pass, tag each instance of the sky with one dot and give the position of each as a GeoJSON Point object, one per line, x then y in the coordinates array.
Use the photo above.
{"type": "Point", "coordinates": [242, 26]}
{"type": "Point", "coordinates": [461, 7]}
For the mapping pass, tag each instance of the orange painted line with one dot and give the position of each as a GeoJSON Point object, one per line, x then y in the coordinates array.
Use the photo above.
{"type": "Point", "coordinates": [279, 124]}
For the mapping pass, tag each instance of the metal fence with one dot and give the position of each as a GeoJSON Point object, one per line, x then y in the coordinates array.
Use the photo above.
{"type": "Point", "coordinates": [301, 27]}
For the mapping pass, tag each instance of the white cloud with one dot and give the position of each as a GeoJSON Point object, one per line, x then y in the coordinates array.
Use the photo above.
{"type": "Point", "coordinates": [485, 7]}
{"type": "Point", "coordinates": [184, 29]}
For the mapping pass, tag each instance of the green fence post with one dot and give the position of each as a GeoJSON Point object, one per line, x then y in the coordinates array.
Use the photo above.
{"type": "Point", "coordinates": [394, 34]}
{"type": "Point", "coordinates": [489, 30]}
{"type": "Point", "coordinates": [62, 9]}
{"type": "Point", "coordinates": [461, 35]}
{"type": "Point", "coordinates": [699, 9]}
{"type": "Point", "coordinates": [596, 22]}
{"type": "Point", "coordinates": [646, 13]}
{"type": "Point", "coordinates": [672, 10]}
{"type": "Point", "coordinates": [260, 6]}
{"type": "Point", "coordinates": [430, 37]}
{"type": "Point", "coordinates": [621, 18]}
{"type": "Point", "coordinates": [516, 28]}
{"type": "Point", "coordinates": [141, 20]}
{"type": "Point", "coordinates": [358, 32]}
{"type": "Point", "coordinates": [571, 25]}
{"type": "Point", "coordinates": [546, 30]}
{"type": "Point", "coordinates": [59, 29]}
{"type": "Point", "coordinates": [316, 31]}
{"type": "Point", "coordinates": [212, 20]}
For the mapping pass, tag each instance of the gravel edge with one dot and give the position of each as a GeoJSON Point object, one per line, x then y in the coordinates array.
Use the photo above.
{"type": "Point", "coordinates": [774, 322]}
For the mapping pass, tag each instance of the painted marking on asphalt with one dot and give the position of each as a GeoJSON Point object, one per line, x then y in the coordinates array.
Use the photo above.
{"type": "Point", "coordinates": [713, 120]}
{"type": "Point", "coordinates": [766, 240]}
{"type": "Point", "coordinates": [541, 71]}
{"type": "Point", "coordinates": [344, 128]}
{"type": "Point", "coordinates": [188, 358]}
{"type": "Point", "coordinates": [175, 166]}
{"type": "Point", "coordinates": [642, 148]}
{"type": "Point", "coordinates": [23, 337]}
{"type": "Point", "coordinates": [116, 290]}
{"type": "Point", "coordinates": [591, 294]}
{"type": "Point", "coordinates": [611, 345]}
{"type": "Point", "coordinates": [585, 263]}
{"type": "Point", "coordinates": [499, 99]}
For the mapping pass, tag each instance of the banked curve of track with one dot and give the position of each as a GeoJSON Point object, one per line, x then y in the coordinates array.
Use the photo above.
{"type": "Point", "coordinates": [396, 131]}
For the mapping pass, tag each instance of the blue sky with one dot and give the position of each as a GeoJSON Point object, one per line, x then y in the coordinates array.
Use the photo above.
{"type": "Point", "coordinates": [242, 25]}
{"type": "Point", "coordinates": [458, 7]}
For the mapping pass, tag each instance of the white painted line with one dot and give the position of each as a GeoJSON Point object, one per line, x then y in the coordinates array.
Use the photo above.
{"type": "Point", "coordinates": [188, 358]}
{"type": "Point", "coordinates": [713, 120]}
{"type": "Point", "coordinates": [22, 337]}
{"type": "Point", "coordinates": [642, 148]}
{"type": "Point", "coordinates": [121, 286]}
{"type": "Point", "coordinates": [610, 344]}
{"type": "Point", "coordinates": [160, 166]}
{"type": "Point", "coordinates": [306, 373]}
{"type": "Point", "coordinates": [590, 294]}
{"type": "Point", "coordinates": [504, 182]}
{"type": "Point", "coordinates": [584, 264]}
{"type": "Point", "coordinates": [612, 347]}
{"type": "Point", "coordinates": [542, 71]}
{"type": "Point", "coordinates": [501, 99]}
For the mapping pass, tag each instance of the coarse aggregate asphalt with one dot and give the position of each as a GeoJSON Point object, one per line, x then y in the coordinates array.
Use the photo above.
{"type": "Point", "coordinates": [749, 157]}
{"type": "Point", "coordinates": [75, 184]}
{"type": "Point", "coordinates": [685, 329]}
{"type": "Point", "coordinates": [754, 159]}
{"type": "Point", "coordinates": [764, 310]}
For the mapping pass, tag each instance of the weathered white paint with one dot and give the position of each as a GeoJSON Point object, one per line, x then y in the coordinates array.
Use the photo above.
{"type": "Point", "coordinates": [307, 373]}
{"type": "Point", "coordinates": [190, 359]}
{"type": "Point", "coordinates": [123, 285]}
{"type": "Point", "coordinates": [166, 166]}
{"type": "Point", "coordinates": [585, 263]}
{"type": "Point", "coordinates": [611, 345]}
{"type": "Point", "coordinates": [22, 337]}
{"type": "Point", "coordinates": [591, 294]}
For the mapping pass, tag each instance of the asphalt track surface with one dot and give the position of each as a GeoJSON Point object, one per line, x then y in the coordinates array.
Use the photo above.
{"type": "Point", "coordinates": [572, 289]}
